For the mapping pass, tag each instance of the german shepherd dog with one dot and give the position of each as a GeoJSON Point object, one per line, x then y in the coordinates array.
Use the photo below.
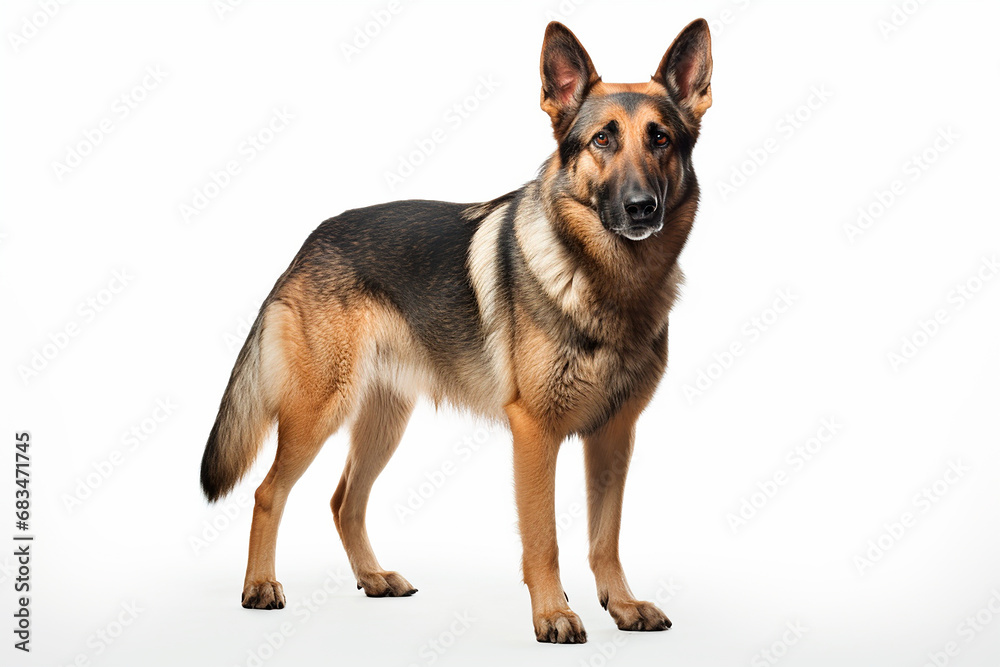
{"type": "Point", "coordinates": [545, 308]}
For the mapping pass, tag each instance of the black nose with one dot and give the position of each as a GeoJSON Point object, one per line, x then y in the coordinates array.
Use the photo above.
{"type": "Point", "coordinates": [640, 206]}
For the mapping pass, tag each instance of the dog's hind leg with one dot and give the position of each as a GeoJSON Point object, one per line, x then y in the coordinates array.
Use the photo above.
{"type": "Point", "coordinates": [375, 435]}
{"type": "Point", "coordinates": [301, 435]}
{"type": "Point", "coordinates": [312, 400]}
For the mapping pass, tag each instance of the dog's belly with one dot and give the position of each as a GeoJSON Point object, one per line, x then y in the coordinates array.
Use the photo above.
{"type": "Point", "coordinates": [396, 358]}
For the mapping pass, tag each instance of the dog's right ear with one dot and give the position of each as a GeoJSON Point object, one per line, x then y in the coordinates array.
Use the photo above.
{"type": "Point", "coordinates": [567, 75]}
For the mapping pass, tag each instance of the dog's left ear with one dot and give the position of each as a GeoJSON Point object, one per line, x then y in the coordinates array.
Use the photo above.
{"type": "Point", "coordinates": [567, 75]}
{"type": "Point", "coordinates": [686, 68]}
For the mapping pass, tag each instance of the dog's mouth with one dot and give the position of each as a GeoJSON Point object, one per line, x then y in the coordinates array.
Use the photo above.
{"type": "Point", "coordinates": [631, 230]}
{"type": "Point", "coordinates": [638, 232]}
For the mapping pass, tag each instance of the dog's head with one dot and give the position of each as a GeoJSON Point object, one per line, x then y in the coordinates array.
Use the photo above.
{"type": "Point", "coordinates": [625, 149]}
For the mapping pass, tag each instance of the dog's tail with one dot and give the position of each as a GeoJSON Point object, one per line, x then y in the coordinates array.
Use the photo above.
{"type": "Point", "coordinates": [244, 420]}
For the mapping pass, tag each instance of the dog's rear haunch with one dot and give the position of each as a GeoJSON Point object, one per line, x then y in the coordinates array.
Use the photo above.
{"type": "Point", "coordinates": [546, 308]}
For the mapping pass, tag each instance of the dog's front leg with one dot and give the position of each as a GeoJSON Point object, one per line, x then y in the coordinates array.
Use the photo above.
{"type": "Point", "coordinates": [535, 450]}
{"type": "Point", "coordinates": [607, 454]}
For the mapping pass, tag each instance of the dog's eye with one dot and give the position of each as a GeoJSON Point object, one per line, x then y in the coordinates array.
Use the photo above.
{"type": "Point", "coordinates": [661, 139]}
{"type": "Point", "coordinates": [602, 139]}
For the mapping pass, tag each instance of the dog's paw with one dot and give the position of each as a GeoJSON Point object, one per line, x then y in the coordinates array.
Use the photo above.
{"type": "Point", "coordinates": [264, 595]}
{"type": "Point", "coordinates": [385, 585]}
{"type": "Point", "coordinates": [639, 616]}
{"type": "Point", "coordinates": [560, 627]}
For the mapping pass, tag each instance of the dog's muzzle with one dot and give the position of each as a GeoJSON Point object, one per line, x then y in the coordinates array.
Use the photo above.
{"type": "Point", "coordinates": [643, 216]}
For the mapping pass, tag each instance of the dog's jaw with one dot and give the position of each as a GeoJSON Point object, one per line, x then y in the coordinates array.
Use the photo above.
{"type": "Point", "coordinates": [639, 234]}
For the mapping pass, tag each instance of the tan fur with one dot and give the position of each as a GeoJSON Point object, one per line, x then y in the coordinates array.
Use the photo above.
{"type": "Point", "coordinates": [328, 363]}
{"type": "Point", "coordinates": [607, 454]}
{"type": "Point", "coordinates": [375, 435]}
{"type": "Point", "coordinates": [571, 338]}
{"type": "Point", "coordinates": [536, 445]}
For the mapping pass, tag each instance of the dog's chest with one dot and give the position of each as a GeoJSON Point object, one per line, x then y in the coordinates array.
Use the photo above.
{"type": "Point", "coordinates": [580, 384]}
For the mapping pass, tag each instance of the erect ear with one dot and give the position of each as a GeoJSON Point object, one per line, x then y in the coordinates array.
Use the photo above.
{"type": "Point", "coordinates": [567, 74]}
{"type": "Point", "coordinates": [686, 68]}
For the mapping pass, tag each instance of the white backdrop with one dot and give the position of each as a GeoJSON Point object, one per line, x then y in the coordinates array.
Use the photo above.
{"type": "Point", "coordinates": [815, 483]}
